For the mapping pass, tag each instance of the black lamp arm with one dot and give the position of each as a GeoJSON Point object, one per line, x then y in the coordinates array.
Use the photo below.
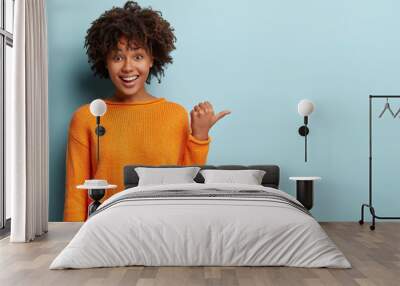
{"type": "Point", "coordinates": [303, 131]}
{"type": "Point", "coordinates": [100, 131]}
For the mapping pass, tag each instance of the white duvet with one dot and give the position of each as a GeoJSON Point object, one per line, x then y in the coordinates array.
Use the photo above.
{"type": "Point", "coordinates": [200, 231]}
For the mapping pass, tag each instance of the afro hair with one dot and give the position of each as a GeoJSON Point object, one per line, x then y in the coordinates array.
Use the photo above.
{"type": "Point", "coordinates": [144, 27]}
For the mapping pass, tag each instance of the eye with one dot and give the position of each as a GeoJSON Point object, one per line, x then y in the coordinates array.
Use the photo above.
{"type": "Point", "coordinates": [138, 57]}
{"type": "Point", "coordinates": [117, 58]}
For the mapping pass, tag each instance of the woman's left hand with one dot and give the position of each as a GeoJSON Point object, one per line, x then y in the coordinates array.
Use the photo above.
{"type": "Point", "coordinates": [202, 118]}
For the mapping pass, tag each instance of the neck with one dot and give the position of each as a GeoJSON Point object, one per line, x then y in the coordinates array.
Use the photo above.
{"type": "Point", "coordinates": [141, 95]}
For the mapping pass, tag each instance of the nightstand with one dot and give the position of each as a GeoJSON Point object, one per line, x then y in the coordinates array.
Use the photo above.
{"type": "Point", "coordinates": [96, 191]}
{"type": "Point", "coordinates": [305, 190]}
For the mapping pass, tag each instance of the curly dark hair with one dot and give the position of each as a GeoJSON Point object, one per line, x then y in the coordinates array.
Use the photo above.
{"type": "Point", "coordinates": [144, 27]}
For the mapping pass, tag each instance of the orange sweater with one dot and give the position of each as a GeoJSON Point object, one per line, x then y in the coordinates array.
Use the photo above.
{"type": "Point", "coordinates": [153, 132]}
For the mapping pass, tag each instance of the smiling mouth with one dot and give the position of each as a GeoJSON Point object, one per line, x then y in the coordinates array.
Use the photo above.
{"type": "Point", "coordinates": [129, 79]}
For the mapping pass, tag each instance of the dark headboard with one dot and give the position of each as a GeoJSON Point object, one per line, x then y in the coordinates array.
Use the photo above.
{"type": "Point", "coordinates": [270, 179]}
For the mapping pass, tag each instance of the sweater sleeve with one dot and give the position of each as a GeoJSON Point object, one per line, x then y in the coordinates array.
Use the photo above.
{"type": "Point", "coordinates": [77, 171]}
{"type": "Point", "coordinates": [196, 150]}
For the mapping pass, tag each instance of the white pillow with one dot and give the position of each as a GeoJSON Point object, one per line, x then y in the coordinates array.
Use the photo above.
{"type": "Point", "coordinates": [162, 176]}
{"type": "Point", "coordinates": [249, 177]}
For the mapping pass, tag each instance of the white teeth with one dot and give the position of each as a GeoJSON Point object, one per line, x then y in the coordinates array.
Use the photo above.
{"type": "Point", "coordinates": [130, 78]}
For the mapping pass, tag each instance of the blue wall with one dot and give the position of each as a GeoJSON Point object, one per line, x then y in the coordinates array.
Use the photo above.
{"type": "Point", "coordinates": [258, 59]}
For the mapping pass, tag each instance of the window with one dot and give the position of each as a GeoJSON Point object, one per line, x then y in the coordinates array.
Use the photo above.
{"type": "Point", "coordinates": [6, 45]}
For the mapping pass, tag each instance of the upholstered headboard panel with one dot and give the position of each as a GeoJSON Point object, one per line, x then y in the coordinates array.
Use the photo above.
{"type": "Point", "coordinates": [270, 179]}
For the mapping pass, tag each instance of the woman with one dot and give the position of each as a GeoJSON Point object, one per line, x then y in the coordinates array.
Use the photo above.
{"type": "Point", "coordinates": [130, 45]}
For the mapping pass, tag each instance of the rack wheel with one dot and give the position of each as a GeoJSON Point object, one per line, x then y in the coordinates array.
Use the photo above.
{"type": "Point", "coordinates": [361, 222]}
{"type": "Point", "coordinates": [372, 227]}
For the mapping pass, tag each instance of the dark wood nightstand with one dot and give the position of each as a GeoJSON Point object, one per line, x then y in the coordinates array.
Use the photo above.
{"type": "Point", "coordinates": [305, 190]}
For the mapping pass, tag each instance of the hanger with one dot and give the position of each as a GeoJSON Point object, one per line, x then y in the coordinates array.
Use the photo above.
{"type": "Point", "coordinates": [397, 113]}
{"type": "Point", "coordinates": [387, 107]}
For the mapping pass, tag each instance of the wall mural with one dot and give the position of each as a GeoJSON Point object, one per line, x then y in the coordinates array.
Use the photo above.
{"type": "Point", "coordinates": [130, 46]}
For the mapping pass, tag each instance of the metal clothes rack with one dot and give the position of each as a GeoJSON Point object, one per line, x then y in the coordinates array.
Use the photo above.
{"type": "Point", "coordinates": [369, 205]}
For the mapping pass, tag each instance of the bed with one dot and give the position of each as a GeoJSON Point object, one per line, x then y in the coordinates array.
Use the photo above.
{"type": "Point", "coordinates": [201, 224]}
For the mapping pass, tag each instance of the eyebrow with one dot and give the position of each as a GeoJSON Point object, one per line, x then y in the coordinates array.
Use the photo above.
{"type": "Point", "coordinates": [137, 48]}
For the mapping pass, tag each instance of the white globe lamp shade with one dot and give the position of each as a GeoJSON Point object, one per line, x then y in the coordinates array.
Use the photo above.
{"type": "Point", "coordinates": [305, 107]}
{"type": "Point", "coordinates": [98, 107]}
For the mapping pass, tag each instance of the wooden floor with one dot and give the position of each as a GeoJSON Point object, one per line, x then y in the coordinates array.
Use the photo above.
{"type": "Point", "coordinates": [374, 255]}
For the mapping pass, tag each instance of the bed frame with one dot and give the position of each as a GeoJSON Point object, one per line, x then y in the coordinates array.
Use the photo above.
{"type": "Point", "coordinates": [270, 179]}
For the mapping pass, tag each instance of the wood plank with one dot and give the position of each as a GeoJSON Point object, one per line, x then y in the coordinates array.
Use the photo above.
{"type": "Point", "coordinates": [374, 255]}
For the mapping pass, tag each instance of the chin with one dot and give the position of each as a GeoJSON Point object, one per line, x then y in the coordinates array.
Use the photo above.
{"type": "Point", "coordinates": [128, 92]}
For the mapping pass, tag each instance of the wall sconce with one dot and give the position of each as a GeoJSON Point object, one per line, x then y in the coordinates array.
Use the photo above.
{"type": "Point", "coordinates": [98, 108]}
{"type": "Point", "coordinates": [305, 108]}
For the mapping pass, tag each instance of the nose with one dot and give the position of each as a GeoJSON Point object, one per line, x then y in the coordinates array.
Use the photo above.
{"type": "Point", "coordinates": [128, 65]}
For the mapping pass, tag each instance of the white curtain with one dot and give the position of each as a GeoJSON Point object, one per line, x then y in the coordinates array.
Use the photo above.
{"type": "Point", "coordinates": [27, 123]}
